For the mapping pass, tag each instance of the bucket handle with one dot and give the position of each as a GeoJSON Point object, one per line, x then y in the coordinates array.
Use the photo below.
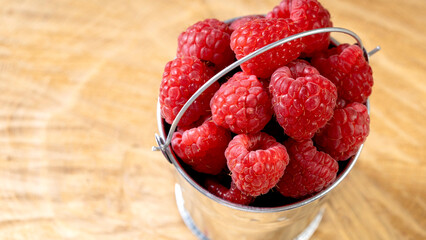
{"type": "Point", "coordinates": [163, 144]}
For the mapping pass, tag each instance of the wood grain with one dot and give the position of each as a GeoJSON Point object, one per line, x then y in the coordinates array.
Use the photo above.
{"type": "Point", "coordinates": [78, 88]}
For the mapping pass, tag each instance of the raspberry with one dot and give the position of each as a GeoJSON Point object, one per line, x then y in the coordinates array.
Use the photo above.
{"type": "Point", "coordinates": [243, 20]}
{"type": "Point", "coordinates": [345, 132]}
{"type": "Point", "coordinates": [233, 194]}
{"type": "Point", "coordinates": [181, 79]}
{"type": "Point", "coordinates": [303, 100]}
{"type": "Point", "coordinates": [207, 40]}
{"type": "Point", "coordinates": [258, 33]}
{"type": "Point", "coordinates": [256, 162]}
{"type": "Point", "coordinates": [203, 147]}
{"type": "Point", "coordinates": [347, 68]}
{"type": "Point", "coordinates": [307, 15]}
{"type": "Point", "coordinates": [242, 104]}
{"type": "Point", "coordinates": [309, 170]}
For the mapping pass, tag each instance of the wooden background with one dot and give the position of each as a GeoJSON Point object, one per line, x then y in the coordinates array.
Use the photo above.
{"type": "Point", "coordinates": [78, 88]}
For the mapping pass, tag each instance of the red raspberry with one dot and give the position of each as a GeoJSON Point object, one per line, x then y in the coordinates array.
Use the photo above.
{"type": "Point", "coordinates": [307, 15]}
{"type": "Point", "coordinates": [303, 100]}
{"type": "Point", "coordinates": [309, 170]}
{"type": "Point", "coordinates": [233, 194]}
{"type": "Point", "coordinates": [345, 132]}
{"type": "Point", "coordinates": [207, 40]}
{"type": "Point", "coordinates": [203, 147]}
{"type": "Point", "coordinates": [243, 20]}
{"type": "Point", "coordinates": [242, 104]}
{"type": "Point", "coordinates": [256, 161]}
{"type": "Point", "coordinates": [181, 79]}
{"type": "Point", "coordinates": [259, 33]}
{"type": "Point", "coordinates": [347, 68]}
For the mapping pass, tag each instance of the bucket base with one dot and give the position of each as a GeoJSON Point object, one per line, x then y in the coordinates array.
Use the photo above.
{"type": "Point", "coordinates": [187, 219]}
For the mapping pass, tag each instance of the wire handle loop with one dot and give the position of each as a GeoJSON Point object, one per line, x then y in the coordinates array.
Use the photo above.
{"type": "Point", "coordinates": [163, 144]}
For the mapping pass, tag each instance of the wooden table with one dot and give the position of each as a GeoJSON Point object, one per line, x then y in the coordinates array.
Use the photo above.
{"type": "Point", "coordinates": [78, 89]}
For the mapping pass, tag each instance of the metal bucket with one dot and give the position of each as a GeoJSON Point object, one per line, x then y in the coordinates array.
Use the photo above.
{"type": "Point", "coordinates": [210, 217]}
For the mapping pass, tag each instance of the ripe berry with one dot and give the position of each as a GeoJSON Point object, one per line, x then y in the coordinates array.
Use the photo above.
{"type": "Point", "coordinates": [303, 100]}
{"type": "Point", "coordinates": [258, 33]}
{"type": "Point", "coordinates": [207, 40]}
{"type": "Point", "coordinates": [347, 68]}
{"type": "Point", "coordinates": [256, 162]}
{"type": "Point", "coordinates": [242, 104]}
{"type": "Point", "coordinates": [345, 132]}
{"type": "Point", "coordinates": [309, 170]}
{"type": "Point", "coordinates": [203, 147]}
{"type": "Point", "coordinates": [182, 77]}
{"type": "Point", "coordinates": [233, 194]}
{"type": "Point", "coordinates": [307, 15]}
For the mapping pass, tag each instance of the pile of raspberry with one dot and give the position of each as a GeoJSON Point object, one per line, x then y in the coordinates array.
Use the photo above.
{"type": "Point", "coordinates": [284, 121]}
